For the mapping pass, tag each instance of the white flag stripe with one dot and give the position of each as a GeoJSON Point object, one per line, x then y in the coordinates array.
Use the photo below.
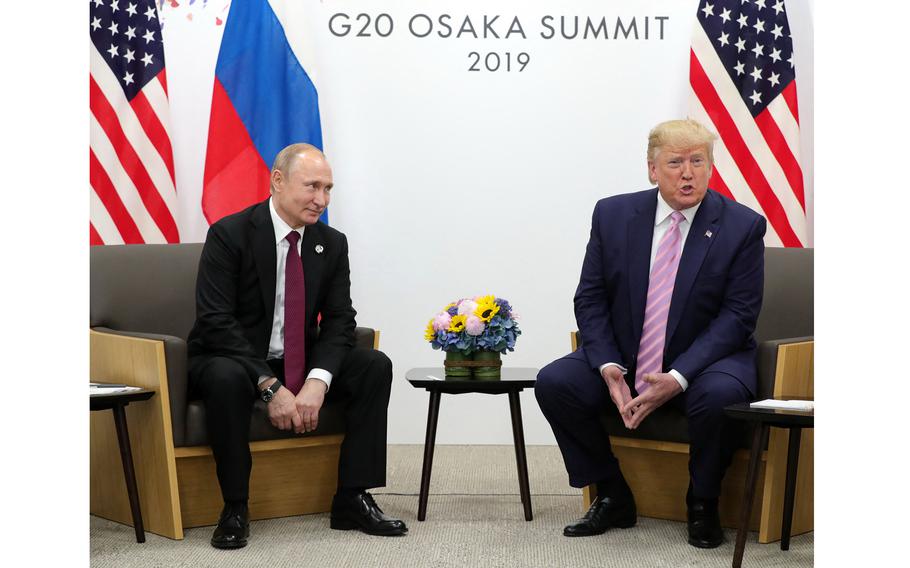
{"type": "Point", "coordinates": [749, 131]}
{"type": "Point", "coordinates": [132, 129]}
{"type": "Point", "coordinates": [729, 171]}
{"type": "Point", "coordinates": [127, 191]}
{"type": "Point", "coordinates": [157, 98]}
{"type": "Point", "coordinates": [102, 221]}
{"type": "Point", "coordinates": [781, 114]}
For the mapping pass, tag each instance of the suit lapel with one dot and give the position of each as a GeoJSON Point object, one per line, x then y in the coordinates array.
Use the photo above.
{"type": "Point", "coordinates": [697, 244]}
{"type": "Point", "coordinates": [641, 233]}
{"type": "Point", "coordinates": [265, 256]}
{"type": "Point", "coordinates": [313, 264]}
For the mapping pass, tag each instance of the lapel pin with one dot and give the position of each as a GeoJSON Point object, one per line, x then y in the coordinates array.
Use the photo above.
{"type": "Point", "coordinates": [709, 234]}
{"type": "Point", "coordinates": [319, 249]}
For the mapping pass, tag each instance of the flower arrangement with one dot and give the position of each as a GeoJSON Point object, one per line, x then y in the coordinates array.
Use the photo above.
{"type": "Point", "coordinates": [470, 325]}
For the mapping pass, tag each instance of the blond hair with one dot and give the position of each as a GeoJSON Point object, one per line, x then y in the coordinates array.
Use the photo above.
{"type": "Point", "coordinates": [680, 134]}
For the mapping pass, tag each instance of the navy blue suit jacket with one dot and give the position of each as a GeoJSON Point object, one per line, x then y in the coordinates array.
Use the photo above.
{"type": "Point", "coordinates": [716, 298]}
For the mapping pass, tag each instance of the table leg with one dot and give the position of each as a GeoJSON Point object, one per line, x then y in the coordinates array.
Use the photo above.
{"type": "Point", "coordinates": [790, 487]}
{"type": "Point", "coordinates": [428, 446]}
{"type": "Point", "coordinates": [520, 457]}
{"type": "Point", "coordinates": [126, 456]}
{"type": "Point", "coordinates": [758, 439]}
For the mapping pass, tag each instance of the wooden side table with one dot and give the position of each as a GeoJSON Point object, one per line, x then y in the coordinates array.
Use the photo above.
{"type": "Point", "coordinates": [762, 419]}
{"type": "Point", "coordinates": [513, 381]}
{"type": "Point", "coordinates": [117, 402]}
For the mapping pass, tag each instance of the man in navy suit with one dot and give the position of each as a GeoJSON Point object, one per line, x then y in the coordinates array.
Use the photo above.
{"type": "Point", "coordinates": [667, 302]}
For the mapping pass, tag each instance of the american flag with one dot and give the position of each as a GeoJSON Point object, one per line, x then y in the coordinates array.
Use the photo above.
{"type": "Point", "coordinates": [744, 86]}
{"type": "Point", "coordinates": [131, 164]}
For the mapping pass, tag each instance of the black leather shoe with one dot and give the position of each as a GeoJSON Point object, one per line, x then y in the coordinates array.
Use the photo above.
{"type": "Point", "coordinates": [361, 512]}
{"type": "Point", "coordinates": [604, 513]}
{"type": "Point", "coordinates": [233, 527]}
{"type": "Point", "coordinates": [704, 522]}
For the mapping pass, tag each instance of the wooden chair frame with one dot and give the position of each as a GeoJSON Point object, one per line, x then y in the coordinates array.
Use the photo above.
{"type": "Point", "coordinates": [658, 472]}
{"type": "Point", "coordinates": [178, 488]}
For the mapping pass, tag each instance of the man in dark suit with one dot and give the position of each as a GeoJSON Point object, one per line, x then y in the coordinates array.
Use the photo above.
{"type": "Point", "coordinates": [667, 302]}
{"type": "Point", "coordinates": [274, 321]}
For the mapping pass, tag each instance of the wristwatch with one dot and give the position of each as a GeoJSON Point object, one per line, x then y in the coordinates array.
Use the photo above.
{"type": "Point", "coordinates": [268, 394]}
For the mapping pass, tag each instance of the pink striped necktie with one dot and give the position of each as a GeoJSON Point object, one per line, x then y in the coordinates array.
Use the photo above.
{"type": "Point", "coordinates": [294, 318]}
{"type": "Point", "coordinates": [660, 291]}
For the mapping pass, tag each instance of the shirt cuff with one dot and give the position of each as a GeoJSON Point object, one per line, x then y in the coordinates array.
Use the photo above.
{"type": "Point", "coordinates": [680, 379]}
{"type": "Point", "coordinates": [605, 365]}
{"type": "Point", "coordinates": [263, 378]}
{"type": "Point", "coordinates": [321, 375]}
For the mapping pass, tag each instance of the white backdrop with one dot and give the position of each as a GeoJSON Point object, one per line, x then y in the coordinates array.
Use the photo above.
{"type": "Point", "coordinates": [452, 183]}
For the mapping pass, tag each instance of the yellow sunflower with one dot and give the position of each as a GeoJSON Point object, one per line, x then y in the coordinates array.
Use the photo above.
{"type": "Point", "coordinates": [458, 322]}
{"type": "Point", "coordinates": [430, 333]}
{"type": "Point", "coordinates": [486, 308]}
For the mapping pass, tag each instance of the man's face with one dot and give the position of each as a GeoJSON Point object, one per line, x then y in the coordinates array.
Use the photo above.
{"type": "Point", "coordinates": [302, 195]}
{"type": "Point", "coordinates": [682, 175]}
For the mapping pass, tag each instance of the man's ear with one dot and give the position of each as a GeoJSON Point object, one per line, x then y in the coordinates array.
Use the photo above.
{"type": "Point", "coordinates": [277, 178]}
{"type": "Point", "coordinates": [652, 172]}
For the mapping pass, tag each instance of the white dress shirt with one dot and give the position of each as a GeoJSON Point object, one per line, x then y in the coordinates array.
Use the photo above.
{"type": "Point", "coordinates": [661, 224]}
{"type": "Point", "coordinates": [276, 341]}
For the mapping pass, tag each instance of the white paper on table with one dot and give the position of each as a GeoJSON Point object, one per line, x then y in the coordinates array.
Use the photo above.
{"type": "Point", "coordinates": [100, 388]}
{"type": "Point", "coordinates": [806, 405]}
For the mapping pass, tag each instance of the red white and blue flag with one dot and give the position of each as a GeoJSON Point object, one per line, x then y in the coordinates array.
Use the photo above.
{"type": "Point", "coordinates": [131, 164]}
{"type": "Point", "coordinates": [743, 86]}
{"type": "Point", "coordinates": [262, 101]}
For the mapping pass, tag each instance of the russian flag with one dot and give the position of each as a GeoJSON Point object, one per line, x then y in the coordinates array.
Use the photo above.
{"type": "Point", "coordinates": [262, 101]}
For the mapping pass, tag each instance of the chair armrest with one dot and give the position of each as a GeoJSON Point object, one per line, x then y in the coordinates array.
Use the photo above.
{"type": "Point", "coordinates": [366, 337]}
{"type": "Point", "coordinates": [176, 368]}
{"type": "Point", "coordinates": [785, 367]}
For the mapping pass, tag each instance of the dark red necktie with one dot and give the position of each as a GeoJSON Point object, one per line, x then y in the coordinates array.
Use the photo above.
{"type": "Point", "coordinates": [294, 318]}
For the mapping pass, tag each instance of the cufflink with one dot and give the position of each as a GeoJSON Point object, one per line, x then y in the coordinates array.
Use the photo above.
{"type": "Point", "coordinates": [319, 249]}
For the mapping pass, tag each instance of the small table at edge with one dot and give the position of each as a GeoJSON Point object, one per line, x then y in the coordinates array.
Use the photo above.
{"type": "Point", "coordinates": [761, 420]}
{"type": "Point", "coordinates": [117, 403]}
{"type": "Point", "coordinates": [513, 381]}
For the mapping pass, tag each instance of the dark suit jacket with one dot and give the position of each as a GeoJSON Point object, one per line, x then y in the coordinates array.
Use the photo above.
{"type": "Point", "coordinates": [235, 293]}
{"type": "Point", "coordinates": [716, 298]}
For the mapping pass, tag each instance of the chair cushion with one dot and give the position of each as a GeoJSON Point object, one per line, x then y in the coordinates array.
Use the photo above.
{"type": "Point", "coordinates": [666, 424]}
{"type": "Point", "coordinates": [331, 421]}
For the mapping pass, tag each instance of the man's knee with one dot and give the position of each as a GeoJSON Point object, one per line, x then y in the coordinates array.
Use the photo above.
{"type": "Point", "coordinates": [567, 381]}
{"type": "Point", "coordinates": [710, 393]}
{"type": "Point", "coordinates": [223, 377]}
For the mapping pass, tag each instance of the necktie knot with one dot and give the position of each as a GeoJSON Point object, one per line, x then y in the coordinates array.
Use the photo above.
{"type": "Point", "coordinates": [676, 218]}
{"type": "Point", "coordinates": [293, 237]}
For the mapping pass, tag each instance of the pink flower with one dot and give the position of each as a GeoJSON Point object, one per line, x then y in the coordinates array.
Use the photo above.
{"type": "Point", "coordinates": [441, 321]}
{"type": "Point", "coordinates": [466, 307]}
{"type": "Point", "coordinates": [473, 325]}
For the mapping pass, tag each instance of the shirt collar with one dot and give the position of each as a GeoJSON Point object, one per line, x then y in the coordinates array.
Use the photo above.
{"type": "Point", "coordinates": [664, 210]}
{"type": "Point", "coordinates": [281, 228]}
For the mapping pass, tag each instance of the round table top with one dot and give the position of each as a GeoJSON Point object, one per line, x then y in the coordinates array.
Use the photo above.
{"type": "Point", "coordinates": [514, 379]}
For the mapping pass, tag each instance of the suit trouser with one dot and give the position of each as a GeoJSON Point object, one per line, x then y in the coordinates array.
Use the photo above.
{"type": "Point", "coordinates": [572, 397]}
{"type": "Point", "coordinates": [363, 385]}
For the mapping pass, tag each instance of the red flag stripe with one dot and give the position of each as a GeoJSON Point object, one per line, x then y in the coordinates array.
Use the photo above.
{"type": "Point", "coordinates": [162, 77]}
{"type": "Point", "coordinates": [106, 191]}
{"type": "Point", "coordinates": [781, 150]}
{"type": "Point", "coordinates": [740, 152]}
{"type": "Point", "coordinates": [789, 94]}
{"type": "Point", "coordinates": [718, 184]}
{"type": "Point", "coordinates": [154, 130]}
{"type": "Point", "coordinates": [109, 122]}
{"type": "Point", "coordinates": [93, 237]}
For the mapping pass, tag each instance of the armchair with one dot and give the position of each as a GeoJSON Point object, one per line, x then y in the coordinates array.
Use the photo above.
{"type": "Point", "coordinates": [142, 306]}
{"type": "Point", "coordinates": [654, 457]}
